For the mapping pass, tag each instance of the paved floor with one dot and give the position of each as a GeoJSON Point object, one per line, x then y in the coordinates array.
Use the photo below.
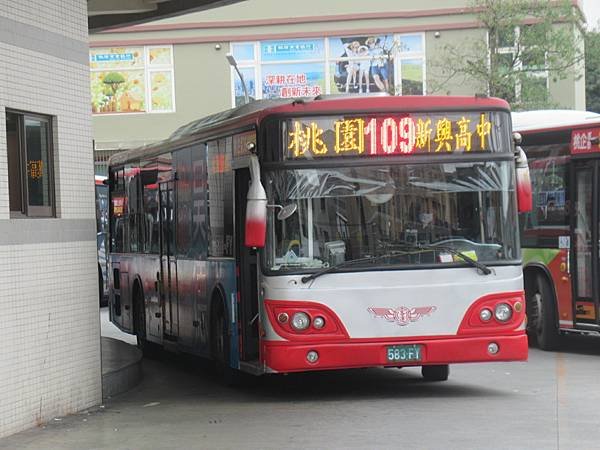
{"type": "Point", "coordinates": [107, 329]}
{"type": "Point", "coordinates": [551, 402]}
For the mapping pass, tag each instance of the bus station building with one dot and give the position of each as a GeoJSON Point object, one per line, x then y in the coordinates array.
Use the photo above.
{"type": "Point", "coordinates": [166, 73]}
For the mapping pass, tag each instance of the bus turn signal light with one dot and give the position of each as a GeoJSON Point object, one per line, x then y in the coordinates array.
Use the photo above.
{"type": "Point", "coordinates": [494, 313]}
{"type": "Point", "coordinates": [302, 320]}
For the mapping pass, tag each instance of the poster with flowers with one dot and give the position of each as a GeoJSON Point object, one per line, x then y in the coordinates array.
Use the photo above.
{"type": "Point", "coordinates": [121, 82]}
{"type": "Point", "coordinates": [118, 92]}
{"type": "Point", "coordinates": [159, 56]}
{"type": "Point", "coordinates": [160, 91]}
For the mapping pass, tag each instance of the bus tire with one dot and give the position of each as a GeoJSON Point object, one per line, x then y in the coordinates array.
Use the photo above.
{"type": "Point", "coordinates": [542, 313]}
{"type": "Point", "coordinates": [220, 343]}
{"type": "Point", "coordinates": [435, 373]}
{"type": "Point", "coordinates": [149, 349]}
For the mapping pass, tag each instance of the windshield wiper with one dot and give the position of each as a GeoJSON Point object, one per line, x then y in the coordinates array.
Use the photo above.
{"type": "Point", "coordinates": [350, 262]}
{"type": "Point", "coordinates": [482, 267]}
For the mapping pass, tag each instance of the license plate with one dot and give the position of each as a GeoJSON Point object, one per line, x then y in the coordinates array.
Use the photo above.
{"type": "Point", "coordinates": [403, 353]}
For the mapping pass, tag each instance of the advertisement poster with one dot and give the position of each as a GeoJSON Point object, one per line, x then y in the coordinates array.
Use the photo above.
{"type": "Point", "coordinates": [284, 72]}
{"type": "Point", "coordinates": [297, 50]}
{"type": "Point", "coordinates": [161, 91]}
{"type": "Point", "coordinates": [364, 64]}
{"type": "Point", "coordinates": [121, 82]}
{"type": "Point", "coordinates": [293, 80]}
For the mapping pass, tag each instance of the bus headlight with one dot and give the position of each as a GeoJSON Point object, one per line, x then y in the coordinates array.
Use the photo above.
{"type": "Point", "coordinates": [485, 315]}
{"type": "Point", "coordinates": [319, 322]}
{"type": "Point", "coordinates": [300, 321]}
{"type": "Point", "coordinates": [503, 312]}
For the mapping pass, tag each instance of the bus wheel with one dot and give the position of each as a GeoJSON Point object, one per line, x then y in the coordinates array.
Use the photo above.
{"type": "Point", "coordinates": [149, 349]}
{"type": "Point", "coordinates": [435, 373]}
{"type": "Point", "coordinates": [220, 345]}
{"type": "Point", "coordinates": [542, 308]}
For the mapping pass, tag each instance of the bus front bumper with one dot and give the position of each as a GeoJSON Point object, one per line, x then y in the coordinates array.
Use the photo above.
{"type": "Point", "coordinates": [285, 356]}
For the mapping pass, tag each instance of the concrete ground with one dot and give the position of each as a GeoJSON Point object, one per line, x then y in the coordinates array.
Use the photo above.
{"type": "Point", "coordinates": [107, 329]}
{"type": "Point", "coordinates": [550, 402]}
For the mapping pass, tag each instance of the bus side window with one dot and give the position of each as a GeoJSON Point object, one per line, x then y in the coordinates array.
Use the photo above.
{"type": "Point", "coordinates": [198, 246]}
{"type": "Point", "coordinates": [183, 167]}
{"type": "Point", "coordinates": [132, 209]}
{"type": "Point", "coordinates": [220, 197]}
{"type": "Point", "coordinates": [117, 204]}
{"type": "Point", "coordinates": [150, 225]}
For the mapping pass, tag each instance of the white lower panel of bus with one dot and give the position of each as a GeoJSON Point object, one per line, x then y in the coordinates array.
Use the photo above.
{"type": "Point", "coordinates": [394, 303]}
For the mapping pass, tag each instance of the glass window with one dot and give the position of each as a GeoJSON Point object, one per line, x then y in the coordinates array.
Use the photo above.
{"type": "Point", "coordinates": [523, 63]}
{"type": "Point", "coordinates": [534, 89]}
{"type": "Point", "coordinates": [30, 177]}
{"type": "Point", "coordinates": [118, 203]}
{"type": "Point", "coordinates": [199, 199]}
{"type": "Point", "coordinates": [411, 43]}
{"type": "Point", "coordinates": [132, 209]}
{"type": "Point", "coordinates": [243, 51]}
{"type": "Point", "coordinates": [249, 80]}
{"type": "Point", "coordinates": [101, 208]}
{"type": "Point", "coordinates": [548, 168]}
{"type": "Point", "coordinates": [150, 220]}
{"type": "Point", "coordinates": [412, 77]}
{"type": "Point", "coordinates": [220, 197]}
{"type": "Point", "coordinates": [582, 233]}
{"type": "Point", "coordinates": [506, 37]}
{"type": "Point", "coordinates": [183, 167]}
{"type": "Point", "coordinates": [351, 213]}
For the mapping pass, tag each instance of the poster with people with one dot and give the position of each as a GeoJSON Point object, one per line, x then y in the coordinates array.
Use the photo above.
{"type": "Point", "coordinates": [364, 64]}
{"type": "Point", "coordinates": [296, 68]}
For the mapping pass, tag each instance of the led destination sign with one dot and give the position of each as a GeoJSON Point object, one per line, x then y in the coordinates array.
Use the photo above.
{"type": "Point", "coordinates": [402, 134]}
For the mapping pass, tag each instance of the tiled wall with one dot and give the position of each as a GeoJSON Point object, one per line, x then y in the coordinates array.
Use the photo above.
{"type": "Point", "coordinates": [50, 348]}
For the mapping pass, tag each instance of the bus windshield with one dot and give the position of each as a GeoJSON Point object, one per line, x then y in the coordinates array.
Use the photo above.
{"type": "Point", "coordinates": [351, 213]}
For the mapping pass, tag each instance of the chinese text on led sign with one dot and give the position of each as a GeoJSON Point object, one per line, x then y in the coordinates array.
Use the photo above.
{"type": "Point", "coordinates": [403, 135]}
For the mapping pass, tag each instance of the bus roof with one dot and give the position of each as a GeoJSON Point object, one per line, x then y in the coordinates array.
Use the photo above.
{"type": "Point", "coordinates": [253, 113]}
{"type": "Point", "coordinates": [552, 120]}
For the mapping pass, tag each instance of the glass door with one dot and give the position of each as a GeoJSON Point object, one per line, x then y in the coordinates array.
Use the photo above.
{"type": "Point", "coordinates": [585, 242]}
{"type": "Point", "coordinates": [168, 264]}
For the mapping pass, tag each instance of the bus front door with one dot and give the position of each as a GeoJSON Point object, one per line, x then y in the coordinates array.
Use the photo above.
{"type": "Point", "coordinates": [584, 242]}
{"type": "Point", "coordinates": [247, 262]}
{"type": "Point", "coordinates": [168, 263]}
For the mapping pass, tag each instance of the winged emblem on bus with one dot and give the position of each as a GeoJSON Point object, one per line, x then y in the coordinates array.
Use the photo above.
{"type": "Point", "coordinates": [402, 315]}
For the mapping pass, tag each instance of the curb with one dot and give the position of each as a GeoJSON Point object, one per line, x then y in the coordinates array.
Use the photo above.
{"type": "Point", "coordinates": [121, 367]}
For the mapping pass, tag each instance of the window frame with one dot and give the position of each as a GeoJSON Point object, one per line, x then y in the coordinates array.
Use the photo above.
{"type": "Point", "coordinates": [26, 209]}
{"type": "Point", "coordinates": [541, 74]}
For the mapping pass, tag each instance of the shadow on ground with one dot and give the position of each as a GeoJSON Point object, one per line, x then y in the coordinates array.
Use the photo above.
{"type": "Point", "coordinates": [195, 377]}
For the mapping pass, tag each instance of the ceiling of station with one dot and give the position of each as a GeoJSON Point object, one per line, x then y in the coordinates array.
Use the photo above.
{"type": "Point", "coordinates": [103, 14]}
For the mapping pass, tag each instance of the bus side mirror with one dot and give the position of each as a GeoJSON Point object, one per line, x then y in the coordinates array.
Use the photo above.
{"type": "Point", "coordinates": [256, 208]}
{"type": "Point", "coordinates": [524, 193]}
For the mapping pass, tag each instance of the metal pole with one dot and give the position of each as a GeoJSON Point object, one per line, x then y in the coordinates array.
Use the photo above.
{"type": "Point", "coordinates": [233, 63]}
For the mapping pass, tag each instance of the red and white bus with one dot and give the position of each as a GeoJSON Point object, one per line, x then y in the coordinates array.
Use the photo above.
{"type": "Point", "coordinates": [560, 236]}
{"type": "Point", "coordinates": [101, 193]}
{"type": "Point", "coordinates": [330, 233]}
